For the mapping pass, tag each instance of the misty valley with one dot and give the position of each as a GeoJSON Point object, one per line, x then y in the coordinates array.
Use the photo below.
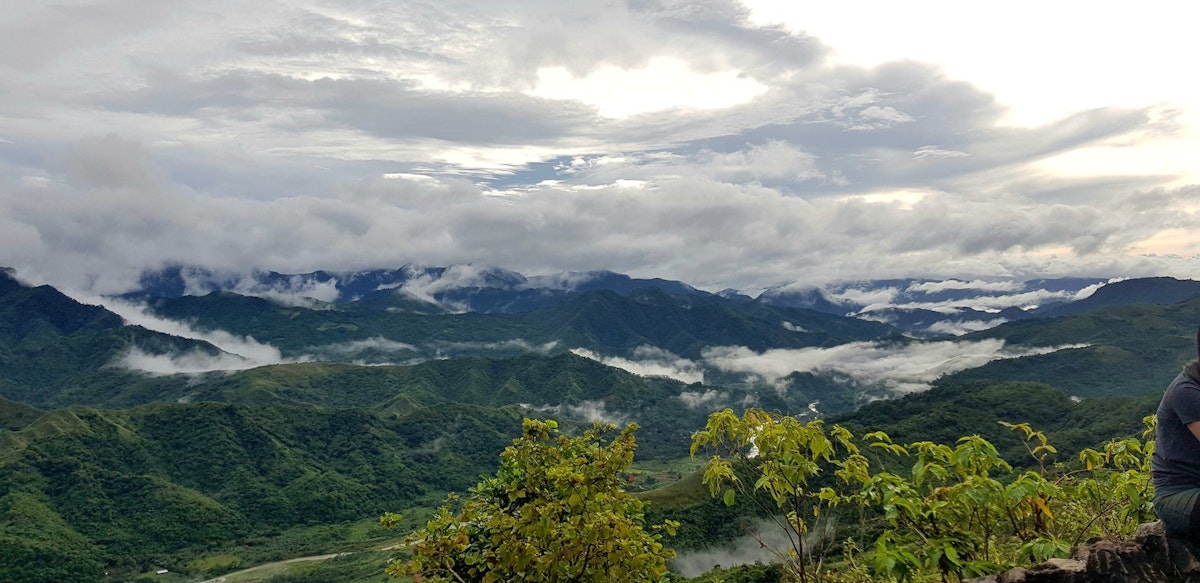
{"type": "Point", "coordinates": [206, 423]}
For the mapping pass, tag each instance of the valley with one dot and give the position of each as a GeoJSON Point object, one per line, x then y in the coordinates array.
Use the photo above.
{"type": "Point", "coordinates": [251, 423]}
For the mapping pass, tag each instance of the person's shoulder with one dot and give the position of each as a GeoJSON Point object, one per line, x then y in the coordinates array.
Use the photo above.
{"type": "Point", "coordinates": [1188, 379]}
{"type": "Point", "coordinates": [1192, 371]}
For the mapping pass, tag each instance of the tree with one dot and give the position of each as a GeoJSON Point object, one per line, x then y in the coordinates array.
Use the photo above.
{"type": "Point", "coordinates": [784, 455]}
{"type": "Point", "coordinates": [554, 512]}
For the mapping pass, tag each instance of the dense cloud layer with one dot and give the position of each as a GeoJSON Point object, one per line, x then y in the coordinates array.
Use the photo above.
{"type": "Point", "coordinates": [297, 137]}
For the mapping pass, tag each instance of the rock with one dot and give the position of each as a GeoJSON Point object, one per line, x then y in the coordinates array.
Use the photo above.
{"type": "Point", "coordinates": [1150, 556]}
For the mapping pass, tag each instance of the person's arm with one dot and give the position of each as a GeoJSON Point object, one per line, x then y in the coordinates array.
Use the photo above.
{"type": "Point", "coordinates": [1194, 427]}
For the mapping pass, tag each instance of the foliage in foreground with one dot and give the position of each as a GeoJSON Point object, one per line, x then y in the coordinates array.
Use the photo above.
{"type": "Point", "coordinates": [554, 511]}
{"type": "Point", "coordinates": [958, 511]}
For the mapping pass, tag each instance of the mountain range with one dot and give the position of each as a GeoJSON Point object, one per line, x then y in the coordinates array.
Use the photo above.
{"type": "Point", "coordinates": [202, 411]}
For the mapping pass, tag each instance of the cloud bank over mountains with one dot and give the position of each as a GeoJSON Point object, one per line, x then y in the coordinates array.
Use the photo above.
{"type": "Point", "coordinates": [543, 137]}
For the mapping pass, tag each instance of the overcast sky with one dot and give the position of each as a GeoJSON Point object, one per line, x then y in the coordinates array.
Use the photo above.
{"type": "Point", "coordinates": [724, 144]}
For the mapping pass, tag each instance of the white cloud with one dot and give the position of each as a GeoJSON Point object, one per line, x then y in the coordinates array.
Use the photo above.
{"type": "Point", "coordinates": [650, 362]}
{"type": "Point", "coordinates": [240, 349]}
{"type": "Point", "coordinates": [864, 297]}
{"type": "Point", "coordinates": [956, 284]}
{"type": "Point", "coordinates": [1087, 292]}
{"type": "Point", "coordinates": [886, 113]}
{"type": "Point", "coordinates": [958, 328]}
{"type": "Point", "coordinates": [697, 399]}
{"type": "Point", "coordinates": [426, 285]}
{"type": "Point", "coordinates": [593, 411]}
{"type": "Point", "coordinates": [766, 542]}
{"type": "Point", "coordinates": [295, 291]}
{"type": "Point", "coordinates": [377, 343]}
{"type": "Point", "coordinates": [990, 303]}
{"type": "Point", "coordinates": [191, 362]}
{"type": "Point", "coordinates": [936, 152]}
{"type": "Point", "coordinates": [517, 344]}
{"type": "Point", "coordinates": [903, 369]}
{"type": "Point", "coordinates": [660, 84]}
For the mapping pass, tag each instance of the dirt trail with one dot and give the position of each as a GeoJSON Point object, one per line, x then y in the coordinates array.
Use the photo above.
{"type": "Point", "coordinates": [269, 566]}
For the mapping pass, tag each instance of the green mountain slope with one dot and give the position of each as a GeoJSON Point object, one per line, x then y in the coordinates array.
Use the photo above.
{"type": "Point", "coordinates": [564, 386]}
{"type": "Point", "coordinates": [1127, 350]}
{"type": "Point", "coordinates": [948, 412]}
{"type": "Point", "coordinates": [55, 351]}
{"type": "Point", "coordinates": [14, 415]}
{"type": "Point", "coordinates": [146, 486]}
{"type": "Point", "coordinates": [602, 321]}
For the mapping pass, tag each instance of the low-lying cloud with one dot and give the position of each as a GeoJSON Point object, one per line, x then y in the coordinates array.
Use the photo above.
{"type": "Point", "coordinates": [766, 542]}
{"type": "Point", "coordinates": [376, 343]}
{"type": "Point", "coordinates": [649, 361]}
{"type": "Point", "coordinates": [372, 351]}
{"type": "Point", "coordinates": [427, 286]}
{"type": "Point", "coordinates": [191, 362]}
{"type": "Point", "coordinates": [698, 399]}
{"type": "Point", "coordinates": [593, 411]}
{"type": "Point", "coordinates": [296, 292]}
{"type": "Point", "coordinates": [903, 369]}
{"type": "Point", "coordinates": [516, 344]}
{"type": "Point", "coordinates": [240, 352]}
{"type": "Point", "coordinates": [958, 328]}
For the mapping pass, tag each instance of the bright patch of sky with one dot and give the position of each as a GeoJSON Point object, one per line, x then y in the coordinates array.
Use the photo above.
{"type": "Point", "coordinates": [660, 84]}
{"type": "Point", "coordinates": [1042, 60]}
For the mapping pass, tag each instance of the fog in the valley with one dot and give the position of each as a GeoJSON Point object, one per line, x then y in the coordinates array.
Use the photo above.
{"type": "Point", "coordinates": [901, 368]}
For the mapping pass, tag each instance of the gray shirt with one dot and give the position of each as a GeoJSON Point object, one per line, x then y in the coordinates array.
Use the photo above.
{"type": "Point", "coordinates": [1176, 460]}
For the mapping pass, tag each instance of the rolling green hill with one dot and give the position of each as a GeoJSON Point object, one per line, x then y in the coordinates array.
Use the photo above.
{"type": "Point", "coordinates": [55, 351]}
{"type": "Point", "coordinates": [125, 490]}
{"type": "Point", "coordinates": [564, 386]}
{"type": "Point", "coordinates": [1126, 350]}
{"type": "Point", "coordinates": [947, 412]}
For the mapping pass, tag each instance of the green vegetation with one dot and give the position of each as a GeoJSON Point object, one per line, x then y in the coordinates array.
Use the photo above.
{"type": "Point", "coordinates": [602, 321]}
{"type": "Point", "coordinates": [103, 470]}
{"type": "Point", "coordinates": [159, 484]}
{"type": "Point", "coordinates": [1125, 350]}
{"type": "Point", "coordinates": [210, 487]}
{"type": "Point", "coordinates": [555, 511]}
{"type": "Point", "coordinates": [949, 411]}
{"type": "Point", "coordinates": [959, 511]}
{"type": "Point", "coordinates": [784, 455]}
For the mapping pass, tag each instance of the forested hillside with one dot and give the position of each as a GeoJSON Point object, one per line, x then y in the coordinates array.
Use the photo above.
{"type": "Point", "coordinates": [162, 483]}
{"type": "Point", "coordinates": [385, 403]}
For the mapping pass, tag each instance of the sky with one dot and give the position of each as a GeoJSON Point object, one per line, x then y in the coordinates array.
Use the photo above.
{"type": "Point", "coordinates": [721, 143]}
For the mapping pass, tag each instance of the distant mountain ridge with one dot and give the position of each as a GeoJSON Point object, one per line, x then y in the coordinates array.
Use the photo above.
{"type": "Point", "coordinates": [919, 306]}
{"type": "Point", "coordinates": [466, 288]}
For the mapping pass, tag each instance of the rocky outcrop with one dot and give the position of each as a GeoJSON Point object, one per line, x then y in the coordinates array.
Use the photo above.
{"type": "Point", "coordinates": [1149, 557]}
